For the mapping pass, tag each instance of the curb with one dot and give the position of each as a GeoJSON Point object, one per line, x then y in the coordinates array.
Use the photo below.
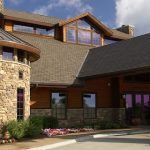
{"type": "Point", "coordinates": [85, 138]}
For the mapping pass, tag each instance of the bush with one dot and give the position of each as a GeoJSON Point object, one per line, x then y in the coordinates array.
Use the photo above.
{"type": "Point", "coordinates": [35, 127]}
{"type": "Point", "coordinates": [50, 122]}
{"type": "Point", "coordinates": [111, 125]}
{"type": "Point", "coordinates": [17, 129]}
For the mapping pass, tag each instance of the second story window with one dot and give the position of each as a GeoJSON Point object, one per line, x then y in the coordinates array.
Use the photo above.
{"type": "Point", "coordinates": [21, 56]}
{"type": "Point", "coordinates": [34, 29]}
{"type": "Point", "coordinates": [7, 53]}
{"type": "Point", "coordinates": [82, 32]}
{"type": "Point", "coordinates": [23, 28]}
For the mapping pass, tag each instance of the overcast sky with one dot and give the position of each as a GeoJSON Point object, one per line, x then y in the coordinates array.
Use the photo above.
{"type": "Point", "coordinates": [113, 13]}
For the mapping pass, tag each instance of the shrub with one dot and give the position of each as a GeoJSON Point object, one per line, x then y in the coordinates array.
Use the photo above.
{"type": "Point", "coordinates": [111, 125]}
{"type": "Point", "coordinates": [17, 129]}
{"type": "Point", "coordinates": [35, 126]}
{"type": "Point", "coordinates": [50, 122]}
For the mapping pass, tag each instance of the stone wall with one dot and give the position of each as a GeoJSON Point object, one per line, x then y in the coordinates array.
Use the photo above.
{"type": "Point", "coordinates": [75, 116]}
{"type": "Point", "coordinates": [9, 82]}
{"type": "Point", "coordinates": [40, 112]}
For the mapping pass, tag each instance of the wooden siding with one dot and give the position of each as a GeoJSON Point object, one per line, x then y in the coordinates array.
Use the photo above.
{"type": "Point", "coordinates": [108, 93]}
{"type": "Point", "coordinates": [133, 87]}
{"type": "Point", "coordinates": [8, 26]}
{"type": "Point", "coordinates": [40, 97]}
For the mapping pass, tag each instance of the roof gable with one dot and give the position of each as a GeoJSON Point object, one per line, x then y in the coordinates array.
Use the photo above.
{"type": "Point", "coordinates": [92, 19]}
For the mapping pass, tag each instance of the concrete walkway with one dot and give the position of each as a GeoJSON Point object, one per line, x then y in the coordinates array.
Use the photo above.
{"type": "Point", "coordinates": [44, 143]}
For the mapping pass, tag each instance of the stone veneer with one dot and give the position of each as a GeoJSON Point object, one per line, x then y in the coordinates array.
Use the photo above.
{"type": "Point", "coordinates": [9, 82]}
{"type": "Point", "coordinates": [75, 116]}
{"type": "Point", "coordinates": [40, 112]}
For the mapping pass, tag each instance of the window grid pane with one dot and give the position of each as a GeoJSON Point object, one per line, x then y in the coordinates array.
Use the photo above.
{"type": "Point", "coordinates": [59, 105]}
{"type": "Point", "coordinates": [89, 101]}
{"type": "Point", "coordinates": [20, 104]}
{"type": "Point", "coordinates": [84, 37]}
{"type": "Point", "coordinates": [71, 35]}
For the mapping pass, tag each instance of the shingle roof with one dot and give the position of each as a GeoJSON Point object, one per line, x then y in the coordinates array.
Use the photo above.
{"type": "Point", "coordinates": [118, 57]}
{"type": "Point", "coordinates": [31, 16]}
{"type": "Point", "coordinates": [59, 62]}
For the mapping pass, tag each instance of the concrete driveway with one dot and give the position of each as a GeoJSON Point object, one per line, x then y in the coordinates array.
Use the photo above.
{"type": "Point", "coordinates": [126, 142]}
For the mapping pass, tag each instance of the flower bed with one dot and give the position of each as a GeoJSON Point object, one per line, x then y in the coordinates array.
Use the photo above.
{"type": "Point", "coordinates": [64, 131]}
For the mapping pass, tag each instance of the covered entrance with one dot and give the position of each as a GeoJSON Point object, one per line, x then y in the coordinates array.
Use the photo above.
{"type": "Point", "coordinates": [138, 106]}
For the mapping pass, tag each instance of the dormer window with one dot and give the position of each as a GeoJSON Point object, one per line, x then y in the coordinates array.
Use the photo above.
{"type": "Point", "coordinates": [82, 32]}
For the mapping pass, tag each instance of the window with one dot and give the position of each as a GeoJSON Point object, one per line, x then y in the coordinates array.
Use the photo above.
{"type": "Point", "coordinates": [20, 75]}
{"type": "Point", "coordinates": [33, 29]}
{"type": "Point", "coordinates": [108, 41]}
{"type": "Point", "coordinates": [89, 104]}
{"type": "Point", "coordinates": [96, 38]}
{"type": "Point", "coordinates": [23, 28]}
{"type": "Point", "coordinates": [20, 104]}
{"type": "Point", "coordinates": [7, 53]}
{"type": "Point", "coordinates": [21, 56]}
{"type": "Point", "coordinates": [84, 37]}
{"type": "Point", "coordinates": [82, 32]}
{"type": "Point", "coordinates": [82, 24]}
{"type": "Point", "coordinates": [59, 105]}
{"type": "Point", "coordinates": [71, 35]}
{"type": "Point", "coordinates": [43, 31]}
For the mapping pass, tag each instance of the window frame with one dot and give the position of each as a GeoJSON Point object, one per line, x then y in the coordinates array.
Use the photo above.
{"type": "Point", "coordinates": [95, 114]}
{"type": "Point", "coordinates": [23, 60]}
{"type": "Point", "coordinates": [66, 104]}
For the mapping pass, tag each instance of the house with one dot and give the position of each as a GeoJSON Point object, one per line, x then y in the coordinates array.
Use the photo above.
{"type": "Point", "coordinates": [78, 70]}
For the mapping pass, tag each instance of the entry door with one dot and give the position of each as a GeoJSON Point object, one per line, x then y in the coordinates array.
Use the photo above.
{"type": "Point", "coordinates": [137, 99]}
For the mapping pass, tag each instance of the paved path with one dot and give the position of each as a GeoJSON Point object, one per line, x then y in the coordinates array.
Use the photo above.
{"type": "Point", "coordinates": [126, 142]}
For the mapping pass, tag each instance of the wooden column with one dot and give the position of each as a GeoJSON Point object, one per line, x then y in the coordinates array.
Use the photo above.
{"type": "Point", "coordinates": [1, 52]}
{"type": "Point", "coordinates": [15, 55]}
{"type": "Point", "coordinates": [25, 58]}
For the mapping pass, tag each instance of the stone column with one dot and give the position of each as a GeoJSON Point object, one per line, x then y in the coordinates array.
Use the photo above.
{"type": "Point", "coordinates": [1, 52]}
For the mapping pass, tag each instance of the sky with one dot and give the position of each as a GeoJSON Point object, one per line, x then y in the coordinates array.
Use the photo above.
{"type": "Point", "coordinates": [113, 13]}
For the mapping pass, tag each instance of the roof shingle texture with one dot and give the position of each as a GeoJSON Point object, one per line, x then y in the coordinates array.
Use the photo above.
{"type": "Point", "coordinates": [31, 16]}
{"type": "Point", "coordinates": [118, 57]}
{"type": "Point", "coordinates": [59, 62]}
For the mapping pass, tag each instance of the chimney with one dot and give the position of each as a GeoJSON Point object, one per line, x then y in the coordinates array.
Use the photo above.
{"type": "Point", "coordinates": [1, 6]}
{"type": "Point", "coordinates": [128, 29]}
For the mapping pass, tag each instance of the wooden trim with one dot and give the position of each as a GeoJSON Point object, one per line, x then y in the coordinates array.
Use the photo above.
{"type": "Point", "coordinates": [92, 19]}
{"type": "Point", "coordinates": [28, 21]}
{"type": "Point", "coordinates": [34, 51]}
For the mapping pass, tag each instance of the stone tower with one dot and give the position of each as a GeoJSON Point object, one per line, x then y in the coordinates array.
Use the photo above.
{"type": "Point", "coordinates": [1, 6]}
